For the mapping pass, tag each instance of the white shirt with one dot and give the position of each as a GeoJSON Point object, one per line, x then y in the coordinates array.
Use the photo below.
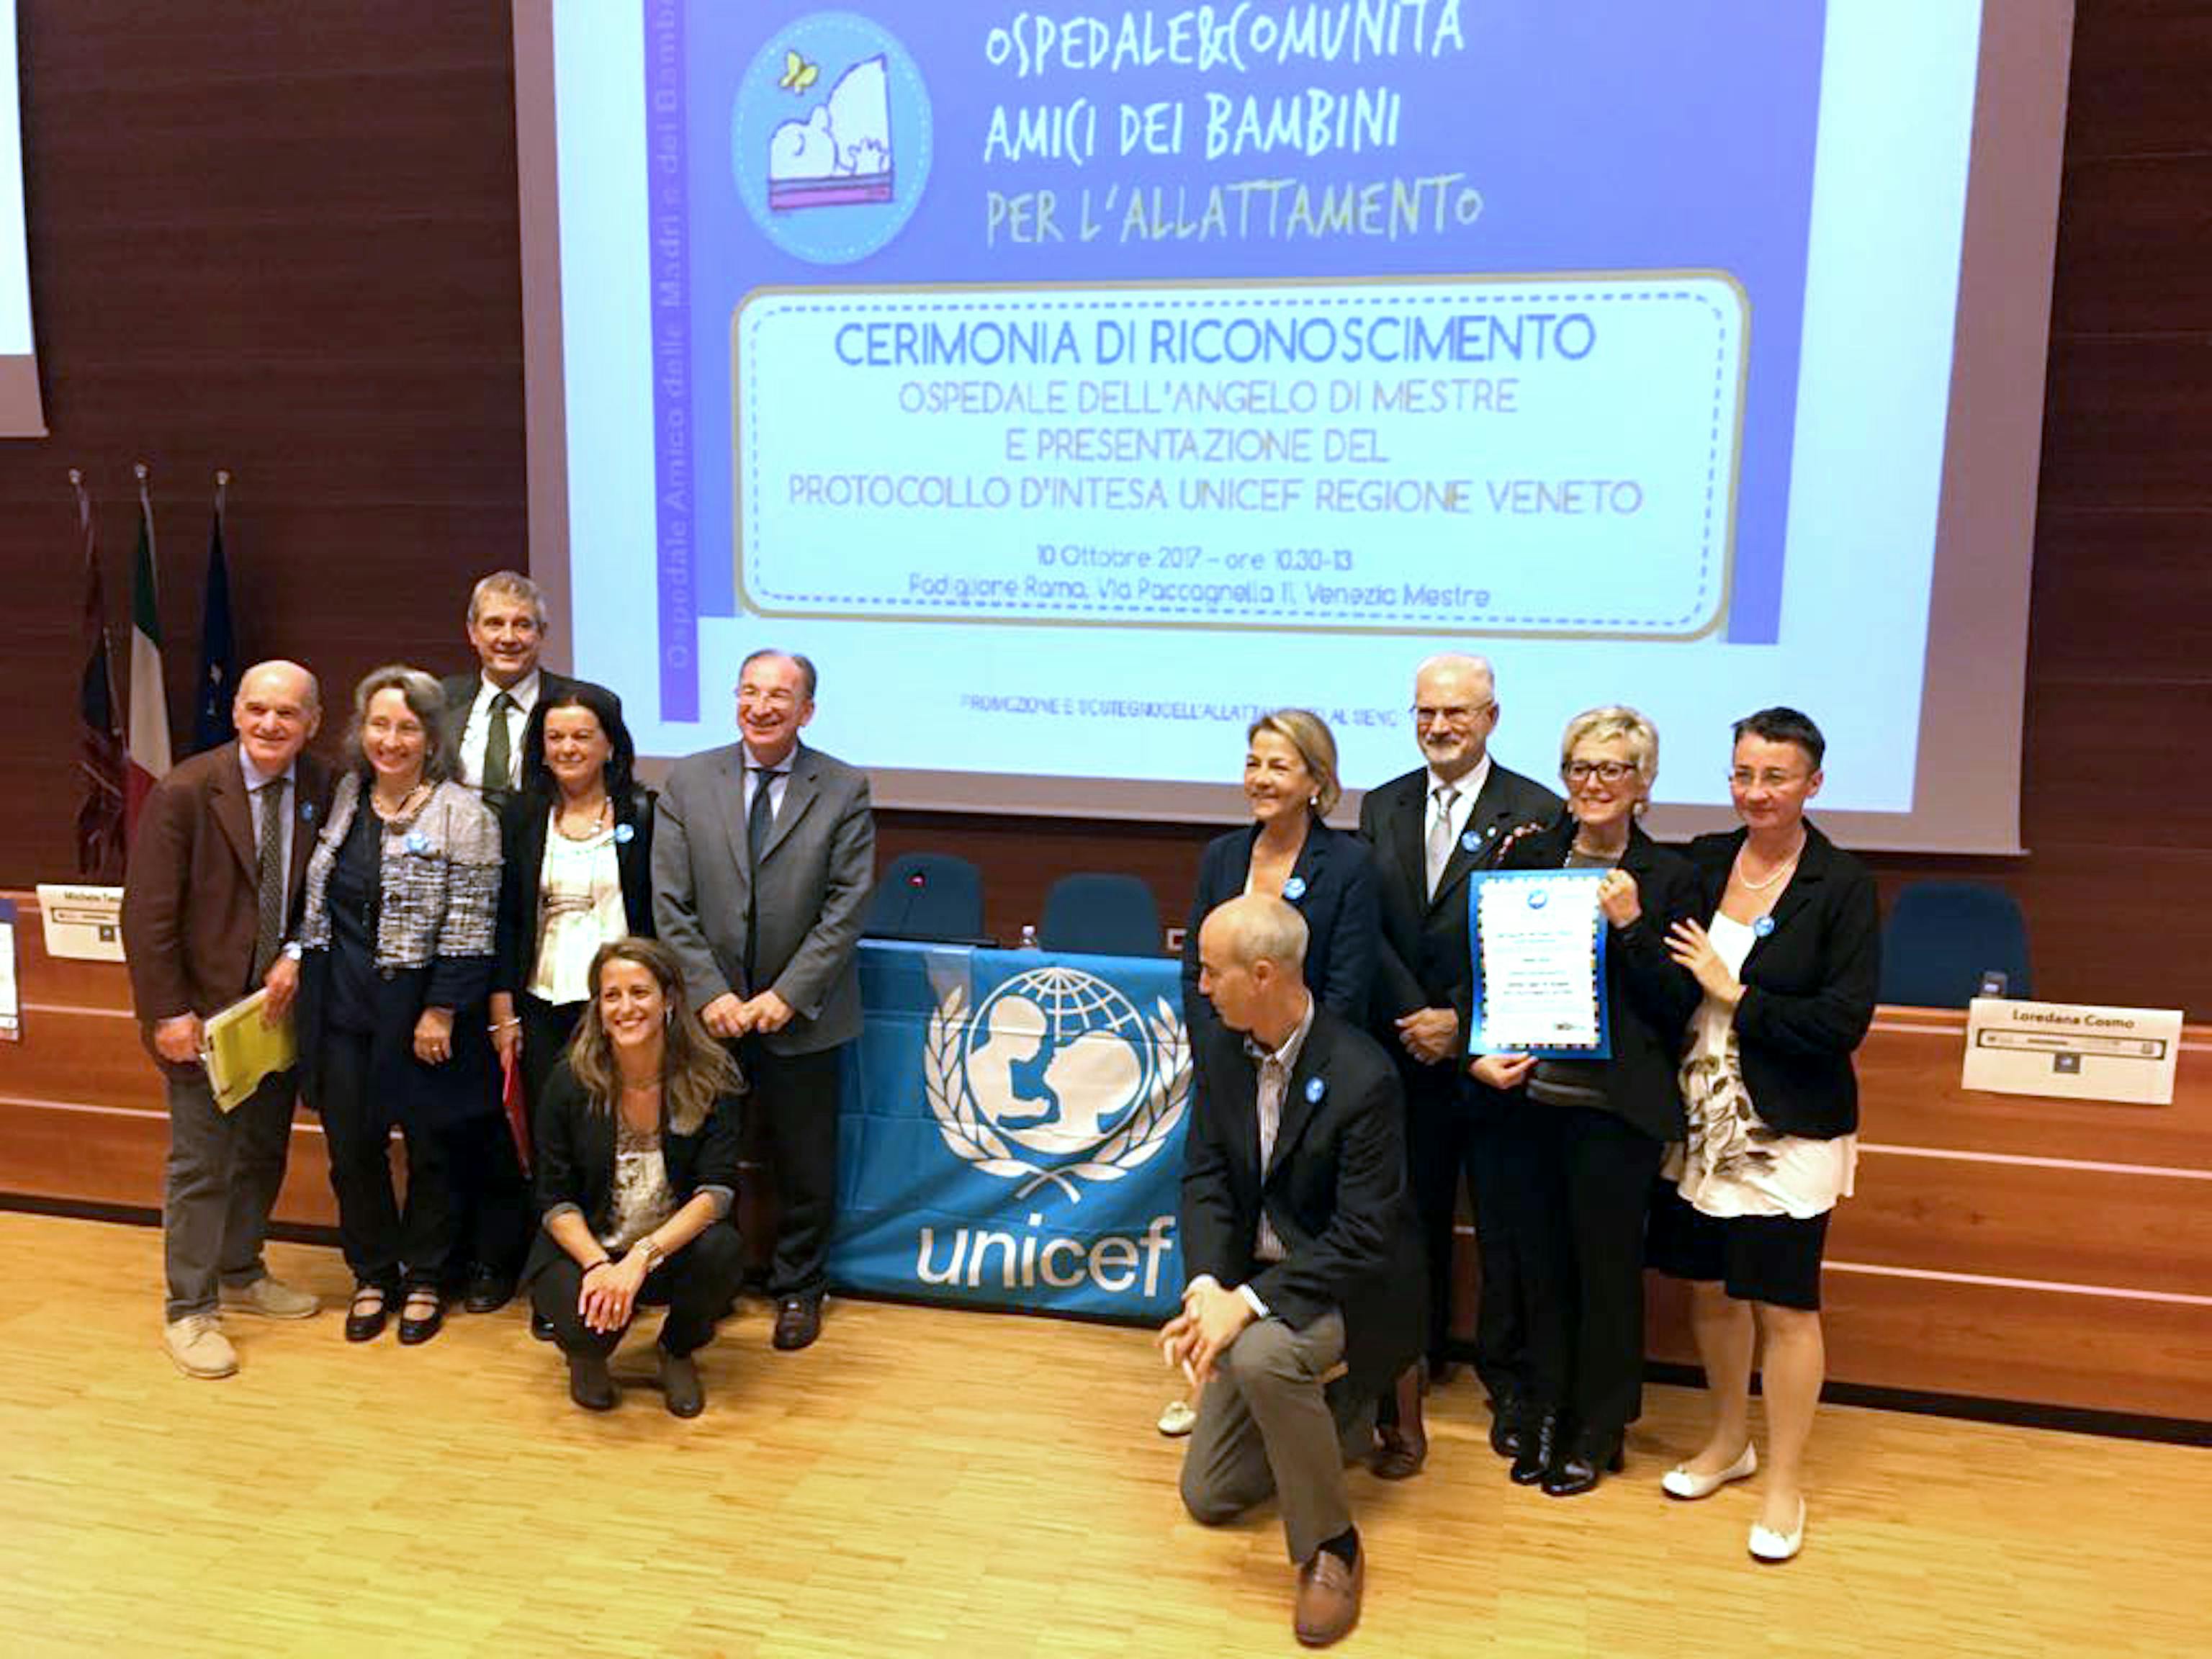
{"type": "Point", "coordinates": [524, 691]}
{"type": "Point", "coordinates": [580, 908]}
{"type": "Point", "coordinates": [778, 776]}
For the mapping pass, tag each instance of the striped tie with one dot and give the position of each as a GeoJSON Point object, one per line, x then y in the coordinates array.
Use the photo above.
{"type": "Point", "coordinates": [269, 928]}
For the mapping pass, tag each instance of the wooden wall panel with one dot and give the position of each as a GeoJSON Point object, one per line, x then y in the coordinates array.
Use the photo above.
{"type": "Point", "coordinates": [285, 239]}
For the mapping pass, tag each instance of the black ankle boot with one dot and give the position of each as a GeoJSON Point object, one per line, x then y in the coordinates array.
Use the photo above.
{"type": "Point", "coordinates": [1540, 1448]}
{"type": "Point", "coordinates": [1509, 1426]}
{"type": "Point", "coordinates": [1583, 1466]}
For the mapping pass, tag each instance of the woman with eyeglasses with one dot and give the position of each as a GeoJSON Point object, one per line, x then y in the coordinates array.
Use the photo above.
{"type": "Point", "coordinates": [1787, 957]}
{"type": "Point", "coordinates": [1600, 1127]}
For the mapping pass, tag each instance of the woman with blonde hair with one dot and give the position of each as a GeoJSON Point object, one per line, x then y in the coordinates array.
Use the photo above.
{"type": "Point", "coordinates": [1288, 852]}
{"type": "Point", "coordinates": [1600, 1127]}
{"type": "Point", "coordinates": [637, 1172]}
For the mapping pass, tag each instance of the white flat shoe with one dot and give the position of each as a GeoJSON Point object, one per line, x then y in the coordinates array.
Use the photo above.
{"type": "Point", "coordinates": [1681, 1481]}
{"type": "Point", "coordinates": [1773, 1547]}
{"type": "Point", "coordinates": [1177, 1419]}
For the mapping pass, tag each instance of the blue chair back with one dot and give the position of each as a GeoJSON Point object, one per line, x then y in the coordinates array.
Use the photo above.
{"type": "Point", "coordinates": [1100, 915]}
{"type": "Point", "coordinates": [1943, 936]}
{"type": "Point", "coordinates": [928, 896]}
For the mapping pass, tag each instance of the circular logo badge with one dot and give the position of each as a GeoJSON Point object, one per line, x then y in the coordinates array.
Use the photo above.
{"type": "Point", "coordinates": [1538, 898]}
{"type": "Point", "coordinates": [831, 137]}
{"type": "Point", "coordinates": [1763, 926]}
{"type": "Point", "coordinates": [1295, 889]}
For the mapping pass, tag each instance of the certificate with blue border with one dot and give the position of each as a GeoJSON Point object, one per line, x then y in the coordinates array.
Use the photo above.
{"type": "Point", "coordinates": [1539, 944]}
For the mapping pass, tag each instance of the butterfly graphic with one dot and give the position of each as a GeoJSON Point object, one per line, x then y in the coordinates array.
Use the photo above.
{"type": "Point", "coordinates": [798, 74]}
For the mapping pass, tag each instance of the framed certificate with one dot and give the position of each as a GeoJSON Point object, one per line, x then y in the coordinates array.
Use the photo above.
{"type": "Point", "coordinates": [1539, 944]}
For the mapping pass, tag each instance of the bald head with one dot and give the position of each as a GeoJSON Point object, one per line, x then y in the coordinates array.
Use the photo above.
{"type": "Point", "coordinates": [278, 707]}
{"type": "Point", "coordinates": [1251, 966]}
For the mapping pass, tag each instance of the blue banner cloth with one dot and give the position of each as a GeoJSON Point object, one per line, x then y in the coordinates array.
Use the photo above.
{"type": "Point", "coordinates": [1011, 1133]}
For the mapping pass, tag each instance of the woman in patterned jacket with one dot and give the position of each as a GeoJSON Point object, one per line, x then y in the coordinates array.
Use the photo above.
{"type": "Point", "coordinates": [396, 949]}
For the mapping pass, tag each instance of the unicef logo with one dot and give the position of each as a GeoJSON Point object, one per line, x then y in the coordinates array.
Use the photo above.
{"type": "Point", "coordinates": [829, 137]}
{"type": "Point", "coordinates": [1055, 1077]}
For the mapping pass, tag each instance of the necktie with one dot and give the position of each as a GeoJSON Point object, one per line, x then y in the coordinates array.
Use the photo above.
{"type": "Point", "coordinates": [1440, 833]}
{"type": "Point", "coordinates": [269, 927]}
{"type": "Point", "coordinates": [760, 819]}
{"type": "Point", "coordinates": [499, 761]}
{"type": "Point", "coordinates": [1274, 1079]}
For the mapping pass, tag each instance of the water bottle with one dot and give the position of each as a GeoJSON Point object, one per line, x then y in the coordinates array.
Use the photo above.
{"type": "Point", "coordinates": [1029, 936]}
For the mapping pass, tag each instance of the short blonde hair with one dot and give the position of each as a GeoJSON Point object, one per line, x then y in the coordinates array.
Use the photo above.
{"type": "Point", "coordinates": [1615, 720]}
{"type": "Point", "coordinates": [1309, 733]}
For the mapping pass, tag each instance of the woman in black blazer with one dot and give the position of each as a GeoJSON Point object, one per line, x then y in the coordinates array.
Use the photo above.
{"type": "Point", "coordinates": [1788, 959]}
{"type": "Point", "coordinates": [1290, 778]}
{"type": "Point", "coordinates": [577, 839]}
{"type": "Point", "coordinates": [1600, 1127]}
{"type": "Point", "coordinates": [637, 1174]}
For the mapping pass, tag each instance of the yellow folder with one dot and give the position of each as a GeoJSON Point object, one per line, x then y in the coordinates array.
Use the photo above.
{"type": "Point", "coordinates": [240, 1050]}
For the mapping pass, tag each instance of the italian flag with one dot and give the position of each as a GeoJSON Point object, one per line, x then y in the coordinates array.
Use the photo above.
{"type": "Point", "coordinates": [149, 733]}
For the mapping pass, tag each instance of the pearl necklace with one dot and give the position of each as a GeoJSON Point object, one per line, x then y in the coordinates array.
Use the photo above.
{"type": "Point", "coordinates": [1774, 875]}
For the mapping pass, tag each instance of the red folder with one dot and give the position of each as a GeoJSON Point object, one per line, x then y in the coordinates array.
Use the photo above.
{"type": "Point", "coordinates": [518, 1122]}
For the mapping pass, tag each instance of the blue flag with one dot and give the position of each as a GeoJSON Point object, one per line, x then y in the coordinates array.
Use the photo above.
{"type": "Point", "coordinates": [218, 679]}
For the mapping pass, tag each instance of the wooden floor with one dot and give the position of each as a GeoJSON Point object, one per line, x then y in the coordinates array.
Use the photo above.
{"type": "Point", "coordinates": [927, 1482]}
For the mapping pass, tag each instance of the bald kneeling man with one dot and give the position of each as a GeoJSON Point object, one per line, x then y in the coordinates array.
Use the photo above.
{"type": "Point", "coordinates": [1305, 1295]}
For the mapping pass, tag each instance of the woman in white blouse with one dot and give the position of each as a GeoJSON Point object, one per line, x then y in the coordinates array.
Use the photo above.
{"type": "Point", "coordinates": [577, 839]}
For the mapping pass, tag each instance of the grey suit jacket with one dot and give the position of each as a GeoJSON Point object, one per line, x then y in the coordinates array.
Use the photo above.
{"type": "Point", "coordinates": [814, 881]}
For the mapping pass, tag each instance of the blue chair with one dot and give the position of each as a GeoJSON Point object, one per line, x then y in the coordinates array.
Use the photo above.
{"type": "Point", "coordinates": [1100, 915]}
{"type": "Point", "coordinates": [1943, 937]}
{"type": "Point", "coordinates": [928, 896]}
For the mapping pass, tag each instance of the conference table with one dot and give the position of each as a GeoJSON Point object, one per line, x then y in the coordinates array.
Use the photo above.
{"type": "Point", "coordinates": [1011, 1139]}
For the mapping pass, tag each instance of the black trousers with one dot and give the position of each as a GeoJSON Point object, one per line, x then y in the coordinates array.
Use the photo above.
{"type": "Point", "coordinates": [386, 1245]}
{"type": "Point", "coordinates": [1454, 1132]}
{"type": "Point", "coordinates": [698, 1284]}
{"type": "Point", "coordinates": [793, 1106]}
{"type": "Point", "coordinates": [1584, 1272]}
{"type": "Point", "coordinates": [493, 1208]}
{"type": "Point", "coordinates": [546, 1028]}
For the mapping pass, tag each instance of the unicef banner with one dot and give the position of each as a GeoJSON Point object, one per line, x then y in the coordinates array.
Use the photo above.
{"type": "Point", "coordinates": [1012, 1131]}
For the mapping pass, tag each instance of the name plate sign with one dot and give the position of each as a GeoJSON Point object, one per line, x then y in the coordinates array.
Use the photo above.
{"type": "Point", "coordinates": [2072, 1050]}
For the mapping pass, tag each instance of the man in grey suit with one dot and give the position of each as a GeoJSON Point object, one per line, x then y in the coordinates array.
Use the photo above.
{"type": "Point", "coordinates": [763, 854]}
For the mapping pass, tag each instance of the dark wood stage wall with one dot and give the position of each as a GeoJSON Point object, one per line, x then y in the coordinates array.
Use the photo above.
{"type": "Point", "coordinates": [284, 240]}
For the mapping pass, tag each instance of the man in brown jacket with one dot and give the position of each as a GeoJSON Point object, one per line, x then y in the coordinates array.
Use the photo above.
{"type": "Point", "coordinates": [217, 873]}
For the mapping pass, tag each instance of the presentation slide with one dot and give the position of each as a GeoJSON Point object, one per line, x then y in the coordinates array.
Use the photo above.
{"type": "Point", "coordinates": [22, 413]}
{"type": "Point", "coordinates": [1072, 382]}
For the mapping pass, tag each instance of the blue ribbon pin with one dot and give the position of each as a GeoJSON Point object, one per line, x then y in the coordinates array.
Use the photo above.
{"type": "Point", "coordinates": [1763, 926]}
{"type": "Point", "coordinates": [1314, 1089]}
{"type": "Point", "coordinates": [1295, 889]}
{"type": "Point", "coordinates": [1471, 842]}
{"type": "Point", "coordinates": [417, 841]}
{"type": "Point", "coordinates": [308, 812]}
{"type": "Point", "coordinates": [625, 834]}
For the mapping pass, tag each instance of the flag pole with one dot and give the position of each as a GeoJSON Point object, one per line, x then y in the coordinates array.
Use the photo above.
{"type": "Point", "coordinates": [149, 729]}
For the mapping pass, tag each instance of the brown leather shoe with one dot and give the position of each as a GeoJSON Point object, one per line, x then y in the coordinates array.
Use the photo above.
{"type": "Point", "coordinates": [1328, 1598]}
{"type": "Point", "coordinates": [798, 1322]}
{"type": "Point", "coordinates": [1398, 1457]}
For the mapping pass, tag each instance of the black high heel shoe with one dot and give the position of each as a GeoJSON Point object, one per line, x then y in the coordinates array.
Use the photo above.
{"type": "Point", "coordinates": [1581, 1469]}
{"type": "Point", "coordinates": [1540, 1447]}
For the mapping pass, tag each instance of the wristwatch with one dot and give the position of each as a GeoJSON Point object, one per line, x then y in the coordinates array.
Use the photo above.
{"type": "Point", "coordinates": [653, 1255]}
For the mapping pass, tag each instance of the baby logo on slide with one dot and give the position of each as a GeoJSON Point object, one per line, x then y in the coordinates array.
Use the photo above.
{"type": "Point", "coordinates": [1055, 1077]}
{"type": "Point", "coordinates": [829, 136]}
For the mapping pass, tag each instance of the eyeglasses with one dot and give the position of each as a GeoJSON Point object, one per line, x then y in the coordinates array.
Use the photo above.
{"type": "Point", "coordinates": [1743, 778]}
{"type": "Point", "coordinates": [1606, 771]}
{"type": "Point", "coordinates": [1456, 715]}
{"type": "Point", "coordinates": [774, 697]}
